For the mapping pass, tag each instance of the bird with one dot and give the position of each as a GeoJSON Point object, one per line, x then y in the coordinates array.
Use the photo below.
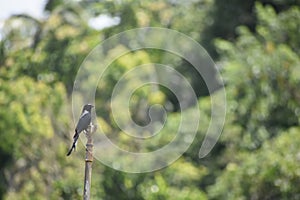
{"type": "Point", "coordinates": [82, 125]}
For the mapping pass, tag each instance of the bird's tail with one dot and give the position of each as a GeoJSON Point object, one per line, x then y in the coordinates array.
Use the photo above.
{"type": "Point", "coordinates": [75, 138]}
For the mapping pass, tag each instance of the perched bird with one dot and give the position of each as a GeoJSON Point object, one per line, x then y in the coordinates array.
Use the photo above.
{"type": "Point", "coordinates": [82, 125]}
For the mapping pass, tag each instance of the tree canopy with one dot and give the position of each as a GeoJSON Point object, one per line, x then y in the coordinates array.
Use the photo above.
{"type": "Point", "coordinates": [256, 47]}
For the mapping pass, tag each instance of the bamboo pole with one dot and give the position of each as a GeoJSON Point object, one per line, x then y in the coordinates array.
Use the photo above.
{"type": "Point", "coordinates": [88, 162]}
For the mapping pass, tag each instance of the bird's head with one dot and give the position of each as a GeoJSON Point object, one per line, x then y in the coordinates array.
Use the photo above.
{"type": "Point", "coordinates": [88, 107]}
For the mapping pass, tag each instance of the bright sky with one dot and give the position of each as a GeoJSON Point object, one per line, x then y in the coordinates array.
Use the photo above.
{"type": "Point", "coordinates": [32, 7]}
{"type": "Point", "coordinates": [35, 8]}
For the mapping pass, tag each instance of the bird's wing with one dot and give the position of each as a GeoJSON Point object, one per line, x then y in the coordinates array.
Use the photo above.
{"type": "Point", "coordinates": [84, 121]}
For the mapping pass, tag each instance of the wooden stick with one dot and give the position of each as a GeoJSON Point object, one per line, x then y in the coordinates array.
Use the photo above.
{"type": "Point", "coordinates": [88, 162]}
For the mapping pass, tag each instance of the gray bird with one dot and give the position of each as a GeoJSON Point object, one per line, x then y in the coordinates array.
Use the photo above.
{"type": "Point", "coordinates": [82, 125]}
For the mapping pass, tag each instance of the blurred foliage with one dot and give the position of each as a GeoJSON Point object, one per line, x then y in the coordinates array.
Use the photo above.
{"type": "Point", "coordinates": [272, 172]}
{"type": "Point", "coordinates": [255, 43]}
{"type": "Point", "coordinates": [262, 110]}
{"type": "Point", "coordinates": [262, 76]}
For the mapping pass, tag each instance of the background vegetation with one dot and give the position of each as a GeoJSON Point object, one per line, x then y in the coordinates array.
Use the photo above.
{"type": "Point", "coordinates": [256, 45]}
